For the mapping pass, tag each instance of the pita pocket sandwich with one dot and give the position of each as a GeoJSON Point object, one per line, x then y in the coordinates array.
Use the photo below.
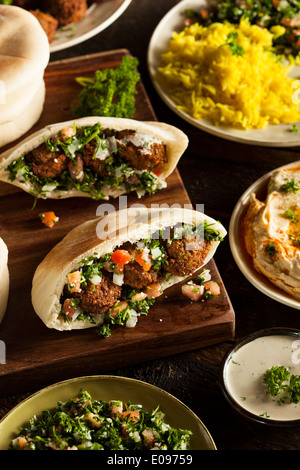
{"type": "Point", "coordinates": [97, 157]}
{"type": "Point", "coordinates": [110, 270]}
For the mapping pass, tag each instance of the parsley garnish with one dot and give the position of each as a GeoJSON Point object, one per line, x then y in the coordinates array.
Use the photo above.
{"type": "Point", "coordinates": [111, 91]}
{"type": "Point", "coordinates": [271, 249]}
{"type": "Point", "coordinates": [290, 186]}
{"type": "Point", "coordinates": [279, 380]}
{"type": "Point", "coordinates": [294, 128]}
{"type": "Point", "coordinates": [291, 215]}
{"type": "Point", "coordinates": [235, 48]}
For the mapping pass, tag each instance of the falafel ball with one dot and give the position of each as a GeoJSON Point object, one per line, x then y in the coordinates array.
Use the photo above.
{"type": "Point", "coordinates": [66, 11]}
{"type": "Point", "coordinates": [47, 22]}
{"type": "Point", "coordinates": [185, 255]}
{"type": "Point", "coordinates": [97, 299]}
{"type": "Point", "coordinates": [45, 163]}
{"type": "Point", "coordinates": [95, 164]}
{"type": "Point", "coordinates": [136, 277]}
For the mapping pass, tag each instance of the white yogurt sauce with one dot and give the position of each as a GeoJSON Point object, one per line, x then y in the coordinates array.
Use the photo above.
{"type": "Point", "coordinates": [244, 373]}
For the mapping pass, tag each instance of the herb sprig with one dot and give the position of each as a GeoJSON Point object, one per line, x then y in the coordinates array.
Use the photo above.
{"type": "Point", "coordinates": [110, 92]}
{"type": "Point", "coordinates": [236, 49]}
{"type": "Point", "coordinates": [278, 380]}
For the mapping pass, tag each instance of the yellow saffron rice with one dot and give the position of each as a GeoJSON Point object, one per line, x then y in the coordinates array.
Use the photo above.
{"type": "Point", "coordinates": [208, 81]}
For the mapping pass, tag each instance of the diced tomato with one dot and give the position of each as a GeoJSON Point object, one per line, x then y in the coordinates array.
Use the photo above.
{"type": "Point", "coordinates": [108, 267]}
{"type": "Point", "coordinates": [68, 308]}
{"type": "Point", "coordinates": [67, 132]}
{"type": "Point", "coordinates": [298, 44]}
{"type": "Point", "coordinates": [121, 257]}
{"type": "Point", "coordinates": [157, 171]}
{"type": "Point", "coordinates": [133, 415]}
{"type": "Point", "coordinates": [153, 290]}
{"type": "Point", "coordinates": [74, 281]}
{"type": "Point", "coordinates": [275, 3]}
{"type": "Point", "coordinates": [192, 291]}
{"type": "Point", "coordinates": [291, 22]}
{"type": "Point", "coordinates": [212, 287]}
{"type": "Point", "coordinates": [22, 443]}
{"type": "Point", "coordinates": [143, 259]}
{"type": "Point", "coordinates": [204, 14]}
{"type": "Point", "coordinates": [187, 22]}
{"type": "Point", "coordinates": [48, 218]}
{"type": "Point", "coordinates": [148, 438]}
{"type": "Point", "coordinates": [118, 308]}
{"type": "Point", "coordinates": [138, 297]}
{"type": "Point", "coordinates": [116, 408]}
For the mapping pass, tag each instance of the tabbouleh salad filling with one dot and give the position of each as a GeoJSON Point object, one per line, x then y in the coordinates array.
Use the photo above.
{"type": "Point", "coordinates": [82, 423]}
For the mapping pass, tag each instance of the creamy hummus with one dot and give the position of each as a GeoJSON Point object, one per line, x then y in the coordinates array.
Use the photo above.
{"type": "Point", "coordinates": [271, 231]}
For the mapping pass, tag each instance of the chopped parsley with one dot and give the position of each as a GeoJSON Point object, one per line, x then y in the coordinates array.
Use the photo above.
{"type": "Point", "coordinates": [271, 249]}
{"type": "Point", "coordinates": [236, 49]}
{"type": "Point", "coordinates": [294, 128]}
{"type": "Point", "coordinates": [279, 382]}
{"type": "Point", "coordinates": [295, 238]}
{"type": "Point", "coordinates": [110, 92]}
{"type": "Point", "coordinates": [291, 215]}
{"type": "Point", "coordinates": [290, 186]}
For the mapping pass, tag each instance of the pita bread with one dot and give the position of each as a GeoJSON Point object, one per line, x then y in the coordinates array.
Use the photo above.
{"type": "Point", "coordinates": [175, 140]}
{"type": "Point", "coordinates": [19, 125]}
{"type": "Point", "coordinates": [24, 48]}
{"type": "Point", "coordinates": [4, 278]}
{"type": "Point", "coordinates": [15, 103]}
{"type": "Point", "coordinates": [102, 235]}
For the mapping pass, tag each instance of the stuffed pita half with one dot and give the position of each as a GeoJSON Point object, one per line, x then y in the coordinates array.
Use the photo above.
{"type": "Point", "coordinates": [110, 270]}
{"type": "Point", "coordinates": [94, 157]}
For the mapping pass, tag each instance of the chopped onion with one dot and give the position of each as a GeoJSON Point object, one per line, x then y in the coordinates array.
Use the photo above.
{"type": "Point", "coordinates": [77, 312]}
{"type": "Point", "coordinates": [96, 279]}
{"type": "Point", "coordinates": [118, 279]}
{"type": "Point", "coordinates": [132, 320]}
{"type": "Point", "coordinates": [112, 144]}
{"type": "Point", "coordinates": [102, 153]}
{"type": "Point", "coordinates": [140, 244]}
{"type": "Point", "coordinates": [156, 253]}
{"type": "Point", "coordinates": [205, 275]}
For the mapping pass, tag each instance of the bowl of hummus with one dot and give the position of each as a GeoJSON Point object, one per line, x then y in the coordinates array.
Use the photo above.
{"type": "Point", "coordinates": [264, 234]}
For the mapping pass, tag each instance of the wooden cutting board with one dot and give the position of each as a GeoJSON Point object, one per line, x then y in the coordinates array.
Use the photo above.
{"type": "Point", "coordinates": [37, 356]}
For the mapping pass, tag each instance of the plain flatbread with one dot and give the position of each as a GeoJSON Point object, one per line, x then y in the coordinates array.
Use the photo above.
{"type": "Point", "coordinates": [24, 47]}
{"type": "Point", "coordinates": [175, 140]}
{"type": "Point", "coordinates": [12, 130]}
{"type": "Point", "coordinates": [102, 235]}
{"type": "Point", "coordinates": [4, 278]}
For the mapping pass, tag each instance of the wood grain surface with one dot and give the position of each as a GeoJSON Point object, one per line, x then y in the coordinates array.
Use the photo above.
{"type": "Point", "coordinates": [36, 354]}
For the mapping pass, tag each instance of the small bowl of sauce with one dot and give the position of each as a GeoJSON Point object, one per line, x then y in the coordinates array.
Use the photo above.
{"type": "Point", "coordinates": [250, 376]}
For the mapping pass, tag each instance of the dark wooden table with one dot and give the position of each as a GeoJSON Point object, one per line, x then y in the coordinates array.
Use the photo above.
{"type": "Point", "coordinates": [215, 173]}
